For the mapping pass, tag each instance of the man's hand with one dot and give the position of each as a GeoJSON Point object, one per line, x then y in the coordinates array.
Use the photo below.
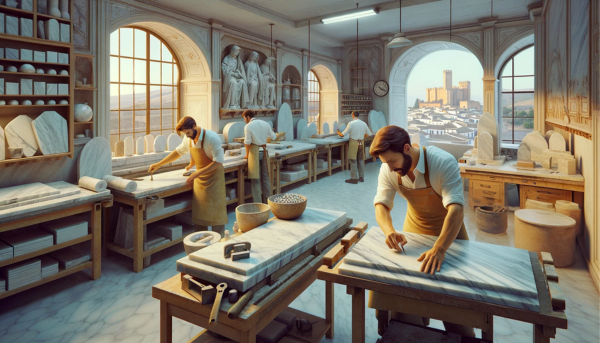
{"type": "Point", "coordinates": [193, 176]}
{"type": "Point", "coordinates": [395, 240]}
{"type": "Point", "coordinates": [432, 260]}
{"type": "Point", "coordinates": [340, 134]}
{"type": "Point", "coordinates": [192, 164]}
{"type": "Point", "coordinates": [154, 167]}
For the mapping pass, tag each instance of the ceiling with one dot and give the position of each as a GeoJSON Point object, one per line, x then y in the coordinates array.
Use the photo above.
{"type": "Point", "coordinates": [291, 17]}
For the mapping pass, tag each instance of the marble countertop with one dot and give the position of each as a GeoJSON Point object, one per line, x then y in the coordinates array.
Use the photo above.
{"type": "Point", "coordinates": [510, 167]}
{"type": "Point", "coordinates": [297, 146]}
{"type": "Point", "coordinates": [84, 197]}
{"type": "Point", "coordinates": [326, 141]}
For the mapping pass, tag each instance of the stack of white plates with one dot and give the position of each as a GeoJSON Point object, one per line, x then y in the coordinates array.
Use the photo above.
{"type": "Point", "coordinates": [49, 266]}
{"type": "Point", "coordinates": [67, 229]}
{"type": "Point", "coordinates": [6, 252]}
{"type": "Point", "coordinates": [28, 241]}
{"type": "Point", "coordinates": [23, 273]}
{"type": "Point", "coordinates": [70, 257]}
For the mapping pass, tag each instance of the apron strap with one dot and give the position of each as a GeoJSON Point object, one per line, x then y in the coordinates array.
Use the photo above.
{"type": "Point", "coordinates": [203, 136]}
{"type": "Point", "coordinates": [426, 168]}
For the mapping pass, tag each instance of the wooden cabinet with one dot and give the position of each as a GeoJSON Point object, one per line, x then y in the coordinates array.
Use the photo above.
{"type": "Point", "coordinates": [485, 193]}
{"type": "Point", "coordinates": [543, 194]}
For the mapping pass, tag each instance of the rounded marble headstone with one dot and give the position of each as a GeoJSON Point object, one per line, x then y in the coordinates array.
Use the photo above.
{"type": "Point", "coordinates": [19, 133]}
{"type": "Point", "coordinates": [485, 150]}
{"type": "Point", "coordinates": [95, 159]}
{"type": "Point", "coordinates": [128, 146]}
{"type": "Point", "coordinates": [233, 130]}
{"type": "Point", "coordinates": [524, 153]}
{"type": "Point", "coordinates": [148, 143]}
{"type": "Point", "coordinates": [285, 121]}
{"type": "Point", "coordinates": [139, 146]}
{"type": "Point", "coordinates": [311, 129]}
{"type": "Point", "coordinates": [336, 127]}
{"type": "Point", "coordinates": [487, 123]}
{"type": "Point", "coordinates": [548, 135]}
{"type": "Point", "coordinates": [326, 130]}
{"type": "Point", "coordinates": [301, 128]}
{"type": "Point", "coordinates": [342, 127]}
{"type": "Point", "coordinates": [175, 140]}
{"type": "Point", "coordinates": [374, 121]}
{"type": "Point", "coordinates": [537, 144]}
{"type": "Point", "coordinates": [160, 143]}
{"type": "Point", "coordinates": [51, 133]}
{"type": "Point", "coordinates": [557, 142]}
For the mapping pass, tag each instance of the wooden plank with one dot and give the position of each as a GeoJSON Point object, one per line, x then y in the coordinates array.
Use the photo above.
{"type": "Point", "coordinates": [551, 273]}
{"type": "Point", "coordinates": [547, 258]}
{"type": "Point", "coordinates": [334, 255]}
{"type": "Point", "coordinates": [45, 251]}
{"type": "Point", "coordinates": [329, 307]}
{"type": "Point", "coordinates": [361, 227]}
{"type": "Point", "coordinates": [96, 248]}
{"type": "Point", "coordinates": [138, 237]}
{"type": "Point", "coordinates": [349, 240]}
{"type": "Point", "coordinates": [557, 295]}
{"type": "Point", "coordinates": [166, 323]}
{"type": "Point", "coordinates": [48, 215]}
{"type": "Point", "coordinates": [358, 315]}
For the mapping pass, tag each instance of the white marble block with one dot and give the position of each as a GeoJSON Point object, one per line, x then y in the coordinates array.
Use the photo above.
{"type": "Point", "coordinates": [12, 54]}
{"type": "Point", "coordinates": [160, 143]}
{"type": "Point", "coordinates": [2, 145]}
{"type": "Point", "coordinates": [95, 159]}
{"type": "Point", "coordinates": [26, 87]}
{"type": "Point", "coordinates": [51, 56]}
{"type": "Point", "coordinates": [19, 133]}
{"type": "Point", "coordinates": [485, 148]}
{"type": "Point", "coordinates": [12, 25]}
{"type": "Point", "coordinates": [63, 89]}
{"type": "Point", "coordinates": [148, 143]}
{"type": "Point", "coordinates": [487, 123]}
{"type": "Point", "coordinates": [51, 133]}
{"type": "Point", "coordinates": [52, 30]}
{"type": "Point", "coordinates": [288, 176]}
{"type": "Point", "coordinates": [26, 55]}
{"type": "Point", "coordinates": [168, 230]}
{"type": "Point", "coordinates": [65, 33]}
{"type": "Point", "coordinates": [1, 86]}
{"type": "Point", "coordinates": [1, 22]}
{"type": "Point", "coordinates": [51, 89]}
{"type": "Point", "coordinates": [39, 56]}
{"type": "Point", "coordinates": [63, 58]}
{"type": "Point", "coordinates": [285, 121]}
{"type": "Point", "coordinates": [26, 5]}
{"type": "Point", "coordinates": [39, 88]}
{"type": "Point", "coordinates": [175, 140]}
{"type": "Point", "coordinates": [128, 148]}
{"type": "Point", "coordinates": [557, 142]}
{"type": "Point", "coordinates": [26, 27]}
{"type": "Point", "coordinates": [139, 146]}
{"type": "Point", "coordinates": [12, 88]}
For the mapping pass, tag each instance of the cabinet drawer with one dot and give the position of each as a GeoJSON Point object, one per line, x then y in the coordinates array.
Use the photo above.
{"type": "Point", "coordinates": [486, 193]}
{"type": "Point", "coordinates": [494, 187]}
{"type": "Point", "coordinates": [543, 194]}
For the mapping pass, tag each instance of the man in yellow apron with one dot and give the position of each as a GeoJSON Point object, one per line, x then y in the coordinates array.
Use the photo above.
{"type": "Point", "coordinates": [257, 133]}
{"type": "Point", "coordinates": [209, 206]}
{"type": "Point", "coordinates": [357, 130]}
{"type": "Point", "coordinates": [429, 179]}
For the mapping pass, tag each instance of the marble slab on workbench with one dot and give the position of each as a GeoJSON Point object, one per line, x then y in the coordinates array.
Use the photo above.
{"type": "Point", "coordinates": [285, 121]}
{"type": "Point", "coordinates": [295, 147]}
{"type": "Point", "coordinates": [510, 168]}
{"type": "Point", "coordinates": [85, 196]}
{"type": "Point", "coordinates": [95, 159]}
{"type": "Point", "coordinates": [61, 194]}
{"type": "Point", "coordinates": [480, 271]}
{"type": "Point", "coordinates": [51, 133]}
{"type": "Point", "coordinates": [33, 190]}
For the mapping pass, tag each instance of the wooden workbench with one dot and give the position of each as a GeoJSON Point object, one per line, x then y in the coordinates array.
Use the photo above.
{"type": "Point", "coordinates": [266, 304]}
{"type": "Point", "coordinates": [278, 158]}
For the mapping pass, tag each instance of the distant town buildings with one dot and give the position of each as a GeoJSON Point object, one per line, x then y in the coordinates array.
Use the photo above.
{"type": "Point", "coordinates": [448, 95]}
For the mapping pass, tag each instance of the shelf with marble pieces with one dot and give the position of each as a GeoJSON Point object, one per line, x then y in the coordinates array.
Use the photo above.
{"type": "Point", "coordinates": [45, 251]}
{"type": "Point", "coordinates": [509, 168]}
{"type": "Point", "coordinates": [7, 10]}
{"type": "Point", "coordinates": [574, 128]}
{"type": "Point", "coordinates": [81, 141]}
{"type": "Point", "coordinates": [86, 88]}
{"type": "Point", "coordinates": [35, 63]}
{"type": "Point", "coordinates": [262, 112]}
{"type": "Point", "coordinates": [29, 106]}
{"type": "Point", "coordinates": [35, 75]}
{"type": "Point", "coordinates": [8, 162]}
{"type": "Point", "coordinates": [83, 122]}
{"type": "Point", "coordinates": [31, 96]}
{"type": "Point", "coordinates": [47, 17]}
{"type": "Point", "coordinates": [31, 40]}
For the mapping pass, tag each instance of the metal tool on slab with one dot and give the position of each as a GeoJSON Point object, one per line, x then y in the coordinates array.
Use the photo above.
{"type": "Point", "coordinates": [214, 314]}
{"type": "Point", "coordinates": [203, 293]}
{"type": "Point", "coordinates": [237, 249]}
{"type": "Point", "coordinates": [304, 325]}
{"type": "Point", "coordinates": [236, 309]}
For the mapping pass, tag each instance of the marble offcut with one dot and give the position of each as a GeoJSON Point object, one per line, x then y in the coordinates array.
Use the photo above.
{"type": "Point", "coordinates": [19, 133]}
{"type": "Point", "coordinates": [173, 141]}
{"type": "Point", "coordinates": [160, 143]}
{"type": "Point", "coordinates": [52, 30]}
{"type": "Point", "coordinates": [285, 121]}
{"type": "Point", "coordinates": [51, 133]}
{"type": "Point", "coordinates": [557, 142]}
{"type": "Point", "coordinates": [148, 143]}
{"type": "Point", "coordinates": [20, 193]}
{"type": "Point", "coordinates": [95, 159]}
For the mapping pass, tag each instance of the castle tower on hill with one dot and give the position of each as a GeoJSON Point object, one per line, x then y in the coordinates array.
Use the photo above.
{"type": "Point", "coordinates": [449, 95]}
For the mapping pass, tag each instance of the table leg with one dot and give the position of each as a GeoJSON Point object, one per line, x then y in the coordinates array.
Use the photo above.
{"type": "Point", "coordinates": [310, 171]}
{"type": "Point", "coordinates": [489, 333]}
{"type": "Point", "coordinates": [249, 336]}
{"type": "Point", "coordinates": [138, 237]}
{"type": "Point", "coordinates": [106, 232]}
{"type": "Point", "coordinates": [358, 314]}
{"type": "Point", "coordinates": [329, 161]}
{"type": "Point", "coordinates": [383, 319]}
{"type": "Point", "coordinates": [343, 156]}
{"type": "Point", "coordinates": [241, 184]}
{"type": "Point", "coordinates": [315, 163]}
{"type": "Point", "coordinates": [329, 307]}
{"type": "Point", "coordinates": [278, 186]}
{"type": "Point", "coordinates": [96, 229]}
{"type": "Point", "coordinates": [166, 323]}
{"type": "Point", "coordinates": [538, 334]}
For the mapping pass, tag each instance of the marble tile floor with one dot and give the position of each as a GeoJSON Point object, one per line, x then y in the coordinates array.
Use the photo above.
{"type": "Point", "coordinates": [119, 306]}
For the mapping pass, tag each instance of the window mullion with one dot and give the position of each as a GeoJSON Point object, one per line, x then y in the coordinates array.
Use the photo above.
{"type": "Point", "coordinates": [148, 83]}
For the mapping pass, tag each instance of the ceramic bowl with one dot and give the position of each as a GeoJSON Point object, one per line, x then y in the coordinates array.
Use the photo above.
{"type": "Point", "coordinates": [251, 216]}
{"type": "Point", "coordinates": [287, 211]}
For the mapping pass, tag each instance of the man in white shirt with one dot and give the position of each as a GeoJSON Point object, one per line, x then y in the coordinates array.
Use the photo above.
{"type": "Point", "coordinates": [257, 134]}
{"type": "Point", "coordinates": [209, 205]}
{"type": "Point", "coordinates": [429, 179]}
{"type": "Point", "coordinates": [357, 130]}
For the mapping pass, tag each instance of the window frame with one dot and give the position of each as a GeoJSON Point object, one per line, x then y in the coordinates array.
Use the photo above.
{"type": "Point", "coordinates": [176, 84]}
{"type": "Point", "coordinates": [512, 92]}
{"type": "Point", "coordinates": [312, 85]}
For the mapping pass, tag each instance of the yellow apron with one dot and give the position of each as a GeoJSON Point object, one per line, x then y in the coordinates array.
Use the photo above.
{"type": "Point", "coordinates": [209, 206]}
{"type": "Point", "coordinates": [356, 149]}
{"type": "Point", "coordinates": [254, 161]}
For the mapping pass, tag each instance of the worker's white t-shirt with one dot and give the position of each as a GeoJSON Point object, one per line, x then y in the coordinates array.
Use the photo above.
{"type": "Point", "coordinates": [257, 131]}
{"type": "Point", "coordinates": [212, 145]}
{"type": "Point", "coordinates": [357, 129]}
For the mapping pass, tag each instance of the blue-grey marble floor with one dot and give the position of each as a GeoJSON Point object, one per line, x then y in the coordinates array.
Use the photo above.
{"type": "Point", "coordinates": [119, 306]}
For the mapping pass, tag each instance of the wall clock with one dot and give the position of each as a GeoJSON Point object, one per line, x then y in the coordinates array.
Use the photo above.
{"type": "Point", "coordinates": [381, 88]}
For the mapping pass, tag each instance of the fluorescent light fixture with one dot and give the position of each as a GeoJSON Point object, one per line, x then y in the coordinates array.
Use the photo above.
{"type": "Point", "coordinates": [355, 15]}
{"type": "Point", "coordinates": [399, 41]}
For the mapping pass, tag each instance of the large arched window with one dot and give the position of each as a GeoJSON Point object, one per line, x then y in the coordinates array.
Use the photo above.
{"type": "Point", "coordinates": [314, 87]}
{"type": "Point", "coordinates": [144, 85]}
{"type": "Point", "coordinates": [516, 82]}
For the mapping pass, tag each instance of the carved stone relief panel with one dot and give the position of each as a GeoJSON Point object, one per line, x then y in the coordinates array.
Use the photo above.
{"type": "Point", "coordinates": [81, 25]}
{"type": "Point", "coordinates": [579, 72]}
{"type": "Point", "coordinates": [556, 59]}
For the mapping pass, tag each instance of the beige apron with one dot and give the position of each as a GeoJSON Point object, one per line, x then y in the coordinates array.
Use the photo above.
{"type": "Point", "coordinates": [354, 148]}
{"type": "Point", "coordinates": [209, 206]}
{"type": "Point", "coordinates": [254, 161]}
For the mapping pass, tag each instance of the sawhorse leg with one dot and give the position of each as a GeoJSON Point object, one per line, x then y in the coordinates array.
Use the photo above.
{"type": "Point", "coordinates": [358, 314]}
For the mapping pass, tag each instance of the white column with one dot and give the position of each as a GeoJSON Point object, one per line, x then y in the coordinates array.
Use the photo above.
{"type": "Point", "coordinates": [304, 71]}
{"type": "Point", "coordinates": [539, 47]}
{"type": "Point", "coordinates": [490, 83]}
{"type": "Point", "coordinates": [340, 78]}
{"type": "Point", "coordinates": [279, 72]}
{"type": "Point", "coordinates": [103, 82]}
{"type": "Point", "coordinates": [215, 89]}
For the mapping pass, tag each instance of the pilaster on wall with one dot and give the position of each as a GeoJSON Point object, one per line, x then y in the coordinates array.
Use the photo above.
{"type": "Point", "coordinates": [490, 83]}
{"type": "Point", "coordinates": [304, 71]}
{"type": "Point", "coordinates": [215, 89]}
{"type": "Point", "coordinates": [103, 78]}
{"type": "Point", "coordinates": [280, 68]}
{"type": "Point", "coordinates": [539, 46]}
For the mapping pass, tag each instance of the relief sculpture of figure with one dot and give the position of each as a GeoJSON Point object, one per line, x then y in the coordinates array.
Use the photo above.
{"type": "Point", "coordinates": [255, 81]}
{"type": "Point", "coordinates": [235, 84]}
{"type": "Point", "coordinates": [269, 82]}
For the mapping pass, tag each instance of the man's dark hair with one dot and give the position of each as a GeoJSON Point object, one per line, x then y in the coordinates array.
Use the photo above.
{"type": "Point", "coordinates": [390, 137]}
{"type": "Point", "coordinates": [186, 123]}
{"type": "Point", "coordinates": [248, 113]}
{"type": "Point", "coordinates": [355, 114]}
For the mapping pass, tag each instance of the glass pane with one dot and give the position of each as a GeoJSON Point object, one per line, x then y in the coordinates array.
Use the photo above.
{"type": "Point", "coordinates": [140, 122]}
{"type": "Point", "coordinates": [140, 71]}
{"type": "Point", "coordinates": [155, 120]}
{"type": "Point", "coordinates": [167, 96]}
{"type": "Point", "coordinates": [167, 74]}
{"type": "Point", "coordinates": [507, 129]}
{"type": "Point", "coordinates": [126, 135]}
{"type": "Point", "coordinates": [126, 70]}
{"type": "Point", "coordinates": [175, 74]}
{"type": "Point", "coordinates": [155, 73]}
{"type": "Point", "coordinates": [114, 96]}
{"type": "Point", "coordinates": [524, 84]}
{"type": "Point", "coordinates": [524, 62]}
{"type": "Point", "coordinates": [114, 122]}
{"type": "Point", "coordinates": [140, 44]}
{"type": "Point", "coordinates": [154, 48]}
{"type": "Point", "coordinates": [154, 96]}
{"type": "Point", "coordinates": [140, 134]}
{"type": "Point", "coordinates": [140, 97]}
{"type": "Point", "coordinates": [126, 42]}
{"type": "Point", "coordinates": [523, 126]}
{"type": "Point", "coordinates": [166, 54]}
{"type": "Point", "coordinates": [507, 71]}
{"type": "Point", "coordinates": [507, 105]}
{"type": "Point", "coordinates": [175, 119]}
{"type": "Point", "coordinates": [126, 97]}
{"type": "Point", "coordinates": [155, 133]}
{"type": "Point", "coordinates": [114, 69]}
{"type": "Point", "coordinates": [524, 105]}
{"type": "Point", "coordinates": [506, 84]}
{"type": "Point", "coordinates": [167, 119]}
{"type": "Point", "coordinates": [175, 99]}
{"type": "Point", "coordinates": [114, 43]}
{"type": "Point", "coordinates": [113, 140]}
{"type": "Point", "coordinates": [126, 121]}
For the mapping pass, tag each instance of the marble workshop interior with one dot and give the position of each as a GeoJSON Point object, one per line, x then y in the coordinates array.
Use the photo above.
{"type": "Point", "coordinates": [118, 307]}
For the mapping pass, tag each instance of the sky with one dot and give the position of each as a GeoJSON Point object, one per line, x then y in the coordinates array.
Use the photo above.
{"type": "Point", "coordinates": [428, 73]}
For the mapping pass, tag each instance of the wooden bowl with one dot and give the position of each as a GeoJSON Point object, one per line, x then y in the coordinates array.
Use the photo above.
{"type": "Point", "coordinates": [251, 216]}
{"type": "Point", "coordinates": [489, 221]}
{"type": "Point", "coordinates": [287, 211]}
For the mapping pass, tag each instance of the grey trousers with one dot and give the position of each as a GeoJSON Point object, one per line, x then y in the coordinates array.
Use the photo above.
{"type": "Point", "coordinates": [220, 229]}
{"type": "Point", "coordinates": [260, 187]}
{"type": "Point", "coordinates": [360, 160]}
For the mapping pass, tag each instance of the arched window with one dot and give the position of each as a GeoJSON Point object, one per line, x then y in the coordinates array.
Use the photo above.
{"type": "Point", "coordinates": [144, 85]}
{"type": "Point", "coordinates": [314, 87]}
{"type": "Point", "coordinates": [517, 82]}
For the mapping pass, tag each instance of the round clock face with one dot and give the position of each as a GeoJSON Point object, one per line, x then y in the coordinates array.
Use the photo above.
{"type": "Point", "coordinates": [381, 88]}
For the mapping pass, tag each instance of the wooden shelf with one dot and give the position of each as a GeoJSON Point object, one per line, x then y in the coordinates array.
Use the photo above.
{"type": "Point", "coordinates": [32, 40]}
{"type": "Point", "coordinates": [83, 122]}
{"type": "Point", "coordinates": [86, 88]}
{"type": "Point", "coordinates": [45, 251]}
{"type": "Point", "coordinates": [34, 159]}
{"type": "Point", "coordinates": [60, 20]}
{"type": "Point", "coordinates": [14, 106]}
{"type": "Point", "coordinates": [16, 11]}
{"type": "Point", "coordinates": [34, 62]}
{"type": "Point", "coordinates": [36, 75]}
{"type": "Point", "coordinates": [56, 276]}
{"type": "Point", "coordinates": [33, 96]}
